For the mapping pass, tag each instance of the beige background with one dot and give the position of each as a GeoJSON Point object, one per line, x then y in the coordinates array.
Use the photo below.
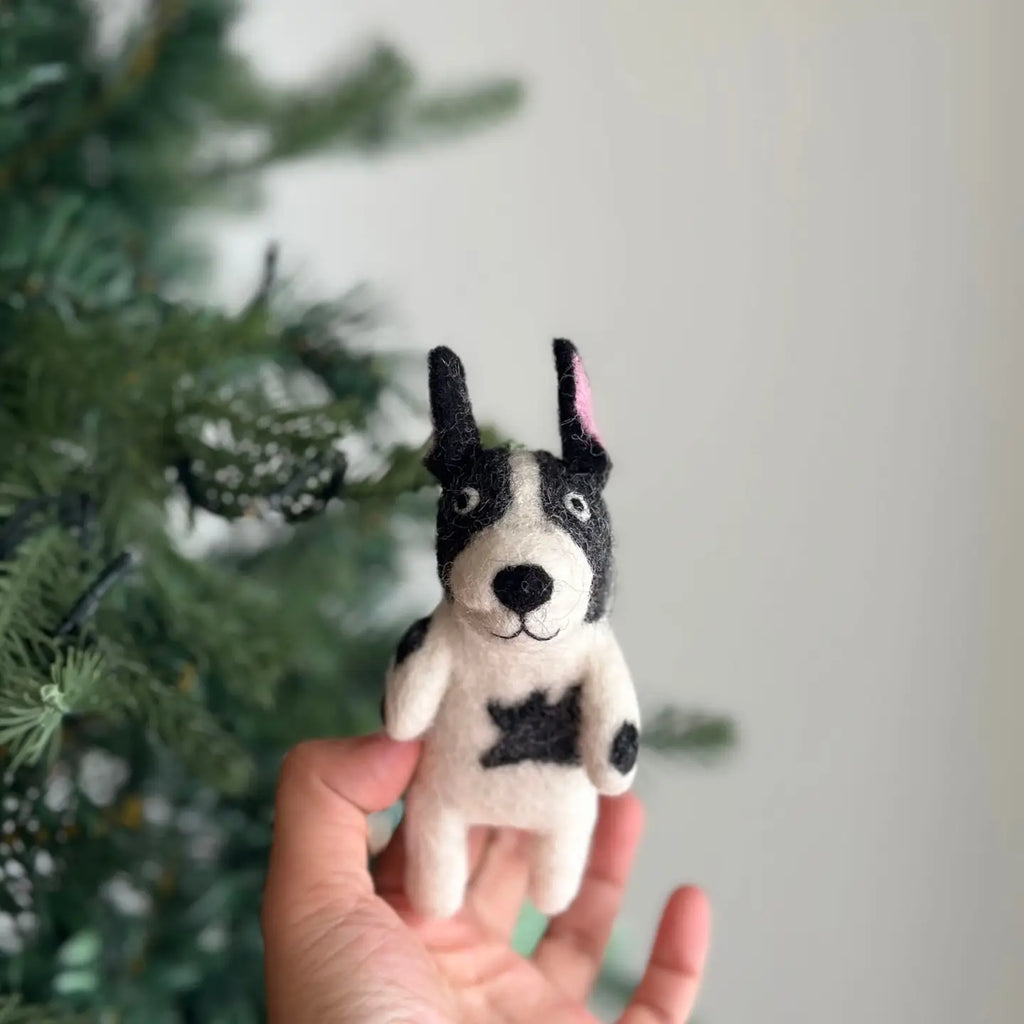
{"type": "Point", "coordinates": [787, 236]}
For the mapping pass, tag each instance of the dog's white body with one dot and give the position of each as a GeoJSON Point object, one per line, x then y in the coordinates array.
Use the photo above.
{"type": "Point", "coordinates": [443, 689]}
{"type": "Point", "coordinates": [515, 682]}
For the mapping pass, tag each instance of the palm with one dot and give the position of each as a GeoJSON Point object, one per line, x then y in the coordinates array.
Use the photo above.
{"type": "Point", "coordinates": [344, 946]}
{"type": "Point", "coordinates": [466, 970]}
{"type": "Point", "coordinates": [487, 980]}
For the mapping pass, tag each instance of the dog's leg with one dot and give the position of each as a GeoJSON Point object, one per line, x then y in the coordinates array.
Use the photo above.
{"type": "Point", "coordinates": [559, 858]}
{"type": "Point", "coordinates": [437, 865]}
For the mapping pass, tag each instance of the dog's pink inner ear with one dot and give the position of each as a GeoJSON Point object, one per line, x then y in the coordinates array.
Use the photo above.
{"type": "Point", "coordinates": [584, 399]}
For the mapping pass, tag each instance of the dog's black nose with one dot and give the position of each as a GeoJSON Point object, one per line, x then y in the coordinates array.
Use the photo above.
{"type": "Point", "coordinates": [522, 588]}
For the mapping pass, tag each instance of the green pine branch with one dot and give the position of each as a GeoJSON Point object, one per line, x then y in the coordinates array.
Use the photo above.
{"type": "Point", "coordinates": [14, 1011]}
{"type": "Point", "coordinates": [30, 721]}
{"type": "Point", "coordinates": [140, 62]}
{"type": "Point", "coordinates": [183, 723]}
{"type": "Point", "coordinates": [25, 584]}
{"type": "Point", "coordinates": [697, 735]}
{"type": "Point", "coordinates": [367, 108]}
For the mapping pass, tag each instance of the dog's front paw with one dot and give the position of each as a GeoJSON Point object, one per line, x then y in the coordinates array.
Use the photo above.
{"type": "Point", "coordinates": [612, 766]}
{"type": "Point", "coordinates": [625, 745]}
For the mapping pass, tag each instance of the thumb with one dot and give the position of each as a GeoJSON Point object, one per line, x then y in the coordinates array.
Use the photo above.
{"type": "Point", "coordinates": [332, 951]}
{"type": "Point", "coordinates": [326, 790]}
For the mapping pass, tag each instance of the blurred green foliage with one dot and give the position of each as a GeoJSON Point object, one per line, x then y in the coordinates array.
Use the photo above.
{"type": "Point", "coordinates": [147, 693]}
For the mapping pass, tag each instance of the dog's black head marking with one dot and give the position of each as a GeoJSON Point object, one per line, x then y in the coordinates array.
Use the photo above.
{"type": "Point", "coordinates": [476, 482]}
{"type": "Point", "coordinates": [573, 502]}
{"type": "Point", "coordinates": [487, 474]}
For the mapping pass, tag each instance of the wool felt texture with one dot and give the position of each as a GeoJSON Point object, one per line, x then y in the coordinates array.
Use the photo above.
{"type": "Point", "coordinates": [536, 729]}
{"type": "Point", "coordinates": [515, 681]}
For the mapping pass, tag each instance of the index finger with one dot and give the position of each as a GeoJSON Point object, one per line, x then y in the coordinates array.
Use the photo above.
{"type": "Point", "coordinates": [668, 990]}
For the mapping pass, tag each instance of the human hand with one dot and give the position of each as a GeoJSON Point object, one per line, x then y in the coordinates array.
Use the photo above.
{"type": "Point", "coordinates": [344, 947]}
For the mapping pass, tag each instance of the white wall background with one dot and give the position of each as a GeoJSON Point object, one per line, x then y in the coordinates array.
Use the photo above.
{"type": "Point", "coordinates": [787, 237]}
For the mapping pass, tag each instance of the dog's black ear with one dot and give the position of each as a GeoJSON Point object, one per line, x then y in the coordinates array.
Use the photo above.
{"type": "Point", "coordinates": [582, 449]}
{"type": "Point", "coordinates": [456, 436]}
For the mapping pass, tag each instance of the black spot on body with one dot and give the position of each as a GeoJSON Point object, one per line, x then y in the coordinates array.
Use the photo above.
{"type": "Point", "coordinates": [593, 537]}
{"type": "Point", "coordinates": [536, 730]}
{"type": "Point", "coordinates": [412, 639]}
{"type": "Point", "coordinates": [624, 748]}
{"type": "Point", "coordinates": [489, 473]}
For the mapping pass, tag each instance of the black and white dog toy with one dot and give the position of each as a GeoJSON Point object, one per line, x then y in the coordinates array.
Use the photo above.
{"type": "Point", "coordinates": [516, 680]}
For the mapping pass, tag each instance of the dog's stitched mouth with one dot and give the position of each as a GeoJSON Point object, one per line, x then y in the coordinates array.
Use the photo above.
{"type": "Point", "coordinates": [522, 629]}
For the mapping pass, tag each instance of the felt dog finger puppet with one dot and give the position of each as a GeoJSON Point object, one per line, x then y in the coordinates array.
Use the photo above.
{"type": "Point", "coordinates": [515, 681]}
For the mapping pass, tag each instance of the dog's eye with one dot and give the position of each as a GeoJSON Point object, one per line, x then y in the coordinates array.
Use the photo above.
{"type": "Point", "coordinates": [577, 505]}
{"type": "Point", "coordinates": [466, 500]}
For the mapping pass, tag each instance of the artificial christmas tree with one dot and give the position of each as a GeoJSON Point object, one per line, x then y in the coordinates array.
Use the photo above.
{"type": "Point", "coordinates": [149, 685]}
